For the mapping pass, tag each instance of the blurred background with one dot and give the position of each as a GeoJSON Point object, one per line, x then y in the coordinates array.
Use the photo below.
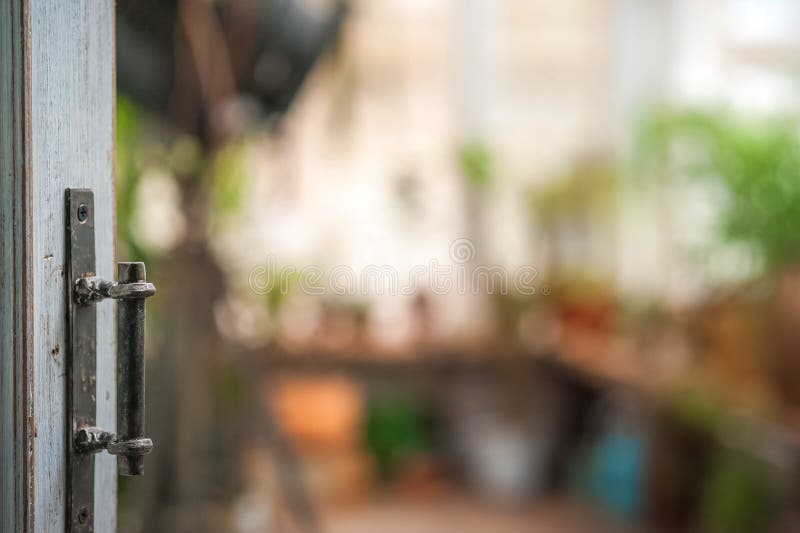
{"type": "Point", "coordinates": [619, 178]}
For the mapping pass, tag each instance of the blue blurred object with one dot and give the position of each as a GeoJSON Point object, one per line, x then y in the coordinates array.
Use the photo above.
{"type": "Point", "coordinates": [616, 472]}
{"type": "Point", "coordinates": [610, 471]}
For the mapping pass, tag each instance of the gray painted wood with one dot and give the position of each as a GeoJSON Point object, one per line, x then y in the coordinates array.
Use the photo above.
{"type": "Point", "coordinates": [69, 123]}
{"type": "Point", "coordinates": [16, 353]}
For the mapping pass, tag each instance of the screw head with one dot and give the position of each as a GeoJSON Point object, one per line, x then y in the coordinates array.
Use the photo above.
{"type": "Point", "coordinates": [83, 213]}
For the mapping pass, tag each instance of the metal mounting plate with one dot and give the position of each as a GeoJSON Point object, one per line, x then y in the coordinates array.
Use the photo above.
{"type": "Point", "coordinates": [81, 359]}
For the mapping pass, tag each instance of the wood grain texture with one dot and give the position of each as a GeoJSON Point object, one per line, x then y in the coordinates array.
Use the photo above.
{"type": "Point", "coordinates": [57, 127]}
{"type": "Point", "coordinates": [16, 352]}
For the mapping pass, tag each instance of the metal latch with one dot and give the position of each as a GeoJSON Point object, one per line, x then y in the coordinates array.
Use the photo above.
{"type": "Point", "coordinates": [84, 291]}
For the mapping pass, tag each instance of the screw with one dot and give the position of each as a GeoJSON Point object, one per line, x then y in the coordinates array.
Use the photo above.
{"type": "Point", "coordinates": [82, 438]}
{"type": "Point", "coordinates": [83, 515]}
{"type": "Point", "coordinates": [83, 213]}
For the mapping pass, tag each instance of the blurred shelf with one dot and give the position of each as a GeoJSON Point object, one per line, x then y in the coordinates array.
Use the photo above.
{"type": "Point", "coordinates": [374, 364]}
{"type": "Point", "coordinates": [440, 367]}
{"type": "Point", "coordinates": [445, 363]}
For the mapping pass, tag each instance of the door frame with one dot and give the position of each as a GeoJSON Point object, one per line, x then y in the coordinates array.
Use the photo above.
{"type": "Point", "coordinates": [57, 101]}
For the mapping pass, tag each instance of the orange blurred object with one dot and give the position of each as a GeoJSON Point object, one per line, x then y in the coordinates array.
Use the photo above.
{"type": "Point", "coordinates": [319, 412]}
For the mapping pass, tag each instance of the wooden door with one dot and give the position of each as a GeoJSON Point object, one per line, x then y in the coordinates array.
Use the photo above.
{"type": "Point", "coordinates": [56, 131]}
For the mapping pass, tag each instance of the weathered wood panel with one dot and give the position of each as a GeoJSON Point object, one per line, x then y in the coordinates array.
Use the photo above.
{"type": "Point", "coordinates": [16, 353]}
{"type": "Point", "coordinates": [69, 119]}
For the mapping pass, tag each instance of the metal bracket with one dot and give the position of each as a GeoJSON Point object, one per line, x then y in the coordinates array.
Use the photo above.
{"type": "Point", "coordinates": [81, 360]}
{"type": "Point", "coordinates": [84, 290]}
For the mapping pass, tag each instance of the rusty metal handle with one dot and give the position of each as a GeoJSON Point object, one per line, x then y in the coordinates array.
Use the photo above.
{"type": "Point", "coordinates": [130, 443]}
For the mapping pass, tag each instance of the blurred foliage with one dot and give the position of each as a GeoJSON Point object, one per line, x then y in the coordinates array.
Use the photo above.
{"type": "Point", "coordinates": [229, 387]}
{"type": "Point", "coordinates": [756, 164]}
{"type": "Point", "coordinates": [737, 496]}
{"type": "Point", "coordinates": [128, 175]}
{"type": "Point", "coordinates": [475, 162]}
{"type": "Point", "coordinates": [587, 191]}
{"type": "Point", "coordinates": [394, 431]}
{"type": "Point", "coordinates": [575, 214]}
{"type": "Point", "coordinates": [186, 158]}
{"type": "Point", "coordinates": [142, 145]}
{"type": "Point", "coordinates": [227, 178]}
{"type": "Point", "coordinates": [277, 289]}
{"type": "Point", "coordinates": [697, 409]}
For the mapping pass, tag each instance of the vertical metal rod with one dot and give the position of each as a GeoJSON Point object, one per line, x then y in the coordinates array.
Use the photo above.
{"type": "Point", "coordinates": [130, 368]}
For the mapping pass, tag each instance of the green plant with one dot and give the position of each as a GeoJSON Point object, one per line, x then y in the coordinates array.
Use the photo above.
{"type": "Point", "coordinates": [587, 191]}
{"type": "Point", "coordinates": [737, 497]}
{"type": "Point", "coordinates": [754, 162]}
{"type": "Point", "coordinates": [394, 431]}
{"type": "Point", "coordinates": [575, 214]}
{"type": "Point", "coordinates": [475, 162]}
{"type": "Point", "coordinates": [128, 136]}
